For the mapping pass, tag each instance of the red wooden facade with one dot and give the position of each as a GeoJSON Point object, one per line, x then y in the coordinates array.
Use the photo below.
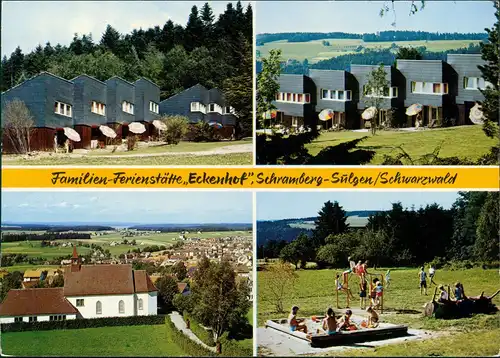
{"type": "Point", "coordinates": [41, 139]}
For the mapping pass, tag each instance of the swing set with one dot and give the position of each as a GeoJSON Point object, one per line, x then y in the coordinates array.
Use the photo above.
{"type": "Point", "coordinates": [345, 288]}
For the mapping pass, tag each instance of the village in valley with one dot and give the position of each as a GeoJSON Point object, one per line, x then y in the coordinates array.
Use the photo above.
{"type": "Point", "coordinates": [100, 278]}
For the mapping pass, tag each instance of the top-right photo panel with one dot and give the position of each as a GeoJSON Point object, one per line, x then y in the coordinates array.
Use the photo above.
{"type": "Point", "coordinates": [377, 83]}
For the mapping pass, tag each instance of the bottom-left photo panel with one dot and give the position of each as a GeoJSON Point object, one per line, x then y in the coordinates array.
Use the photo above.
{"type": "Point", "coordinates": [126, 273]}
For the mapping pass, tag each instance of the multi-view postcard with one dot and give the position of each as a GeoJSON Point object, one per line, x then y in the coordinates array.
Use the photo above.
{"type": "Point", "coordinates": [113, 83]}
{"type": "Point", "coordinates": [377, 83]}
{"type": "Point", "coordinates": [360, 274]}
{"type": "Point", "coordinates": [125, 274]}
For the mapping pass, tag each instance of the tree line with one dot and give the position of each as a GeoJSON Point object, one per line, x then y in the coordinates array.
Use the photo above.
{"type": "Point", "coordinates": [382, 36]}
{"type": "Point", "coordinates": [214, 53]}
{"type": "Point", "coordinates": [11, 237]}
{"type": "Point", "coordinates": [468, 231]}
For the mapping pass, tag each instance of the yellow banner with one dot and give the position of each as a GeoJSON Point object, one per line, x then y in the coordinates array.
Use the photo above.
{"type": "Point", "coordinates": [254, 178]}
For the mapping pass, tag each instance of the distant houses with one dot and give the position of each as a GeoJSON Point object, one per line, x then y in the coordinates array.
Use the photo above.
{"type": "Point", "coordinates": [85, 104]}
{"type": "Point", "coordinates": [447, 90]}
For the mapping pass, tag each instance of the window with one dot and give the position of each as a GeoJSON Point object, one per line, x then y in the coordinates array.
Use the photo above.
{"type": "Point", "coordinates": [18, 319]}
{"type": "Point", "coordinates": [79, 302]}
{"type": "Point", "coordinates": [214, 108]}
{"type": "Point", "coordinates": [139, 304]}
{"type": "Point", "coordinates": [324, 94]}
{"type": "Point", "coordinates": [293, 97]}
{"type": "Point", "coordinates": [153, 107]}
{"type": "Point", "coordinates": [307, 98]}
{"type": "Point", "coordinates": [336, 95]}
{"type": "Point", "coordinates": [348, 95]}
{"type": "Point", "coordinates": [121, 307]}
{"type": "Point", "coordinates": [63, 109]}
{"type": "Point", "coordinates": [211, 107]}
{"type": "Point", "coordinates": [57, 318]}
{"type": "Point", "coordinates": [98, 108]}
{"type": "Point", "coordinates": [198, 107]}
{"type": "Point", "coordinates": [227, 110]}
{"type": "Point", "coordinates": [127, 107]}
{"type": "Point", "coordinates": [33, 319]}
{"type": "Point", "coordinates": [98, 307]}
{"type": "Point", "coordinates": [429, 87]}
{"type": "Point", "coordinates": [289, 97]}
{"type": "Point", "coordinates": [340, 95]}
{"type": "Point", "coordinates": [474, 83]}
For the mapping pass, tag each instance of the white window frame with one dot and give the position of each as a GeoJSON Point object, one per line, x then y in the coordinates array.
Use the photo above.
{"type": "Point", "coordinates": [478, 83]}
{"type": "Point", "coordinates": [121, 307]}
{"type": "Point", "coordinates": [393, 93]}
{"type": "Point", "coordinates": [334, 95]}
{"type": "Point", "coordinates": [18, 319]}
{"type": "Point", "coordinates": [33, 319]}
{"type": "Point", "coordinates": [153, 107]}
{"type": "Point", "coordinates": [128, 107]}
{"type": "Point", "coordinates": [140, 304]}
{"type": "Point", "coordinates": [294, 97]}
{"type": "Point", "coordinates": [198, 107]}
{"type": "Point", "coordinates": [427, 88]}
{"type": "Point", "coordinates": [63, 109]}
{"type": "Point", "coordinates": [98, 108]}
{"type": "Point", "coordinates": [80, 302]}
{"type": "Point", "coordinates": [98, 307]}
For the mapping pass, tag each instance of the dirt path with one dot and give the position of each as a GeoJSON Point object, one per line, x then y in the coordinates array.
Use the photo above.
{"type": "Point", "coordinates": [229, 149]}
{"type": "Point", "coordinates": [180, 324]}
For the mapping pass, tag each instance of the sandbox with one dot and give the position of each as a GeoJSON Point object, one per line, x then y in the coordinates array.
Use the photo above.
{"type": "Point", "coordinates": [316, 337]}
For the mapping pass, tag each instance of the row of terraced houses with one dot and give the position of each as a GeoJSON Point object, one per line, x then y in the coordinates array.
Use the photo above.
{"type": "Point", "coordinates": [85, 103]}
{"type": "Point", "coordinates": [446, 89]}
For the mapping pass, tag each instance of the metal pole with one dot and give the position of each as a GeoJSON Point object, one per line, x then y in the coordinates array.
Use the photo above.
{"type": "Point", "coordinates": [382, 297]}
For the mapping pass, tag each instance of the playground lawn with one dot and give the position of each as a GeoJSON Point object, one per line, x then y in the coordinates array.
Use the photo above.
{"type": "Point", "coordinates": [314, 292]}
{"type": "Point", "coordinates": [463, 141]}
{"type": "Point", "coordinates": [92, 342]}
{"type": "Point", "coordinates": [207, 160]}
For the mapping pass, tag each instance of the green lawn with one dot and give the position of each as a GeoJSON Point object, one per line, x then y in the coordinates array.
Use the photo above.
{"type": "Point", "coordinates": [107, 341]}
{"type": "Point", "coordinates": [181, 147]}
{"type": "Point", "coordinates": [34, 249]}
{"type": "Point", "coordinates": [463, 141]}
{"type": "Point", "coordinates": [207, 160]}
{"type": "Point", "coordinates": [314, 292]}
{"type": "Point", "coordinates": [315, 51]}
{"type": "Point", "coordinates": [23, 268]}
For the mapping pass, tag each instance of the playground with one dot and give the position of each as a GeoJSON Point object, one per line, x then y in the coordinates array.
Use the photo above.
{"type": "Point", "coordinates": [401, 305]}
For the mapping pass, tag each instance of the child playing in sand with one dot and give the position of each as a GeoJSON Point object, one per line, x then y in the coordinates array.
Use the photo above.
{"type": "Point", "coordinates": [345, 322]}
{"type": "Point", "coordinates": [295, 323]}
{"type": "Point", "coordinates": [443, 294]}
{"type": "Point", "coordinates": [340, 287]}
{"type": "Point", "coordinates": [362, 294]}
{"type": "Point", "coordinates": [372, 318]}
{"type": "Point", "coordinates": [329, 324]}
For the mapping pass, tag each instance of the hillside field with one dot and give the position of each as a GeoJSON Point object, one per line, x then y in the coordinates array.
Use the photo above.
{"type": "Point", "coordinates": [315, 51]}
{"type": "Point", "coordinates": [314, 292]}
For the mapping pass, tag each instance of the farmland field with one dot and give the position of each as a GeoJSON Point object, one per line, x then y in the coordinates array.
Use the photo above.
{"type": "Point", "coordinates": [462, 141]}
{"type": "Point", "coordinates": [315, 51]}
{"type": "Point", "coordinates": [314, 291]}
{"type": "Point", "coordinates": [92, 342]}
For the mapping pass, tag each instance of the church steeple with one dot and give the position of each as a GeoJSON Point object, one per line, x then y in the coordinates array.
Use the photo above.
{"type": "Point", "coordinates": [75, 261]}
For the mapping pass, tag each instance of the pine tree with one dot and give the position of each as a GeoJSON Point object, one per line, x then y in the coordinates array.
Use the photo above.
{"type": "Point", "coordinates": [194, 30]}
{"type": "Point", "coordinates": [332, 220]}
{"type": "Point", "coordinates": [111, 39]}
{"type": "Point", "coordinates": [207, 18]}
{"type": "Point", "coordinates": [166, 41]}
{"type": "Point", "coordinates": [486, 246]}
{"type": "Point", "coordinates": [17, 66]}
{"type": "Point", "coordinates": [490, 73]}
{"type": "Point", "coordinates": [248, 28]}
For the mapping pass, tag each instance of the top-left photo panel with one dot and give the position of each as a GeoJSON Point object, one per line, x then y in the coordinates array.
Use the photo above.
{"type": "Point", "coordinates": [127, 83]}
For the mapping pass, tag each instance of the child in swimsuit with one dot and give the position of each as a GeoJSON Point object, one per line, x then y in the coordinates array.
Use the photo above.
{"type": "Point", "coordinates": [329, 322]}
{"type": "Point", "coordinates": [345, 322]}
{"type": "Point", "coordinates": [295, 323]}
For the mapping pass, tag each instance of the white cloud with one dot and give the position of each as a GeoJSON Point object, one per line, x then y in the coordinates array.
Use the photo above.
{"type": "Point", "coordinates": [24, 205]}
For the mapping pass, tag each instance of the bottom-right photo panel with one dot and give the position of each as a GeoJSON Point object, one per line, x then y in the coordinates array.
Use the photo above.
{"type": "Point", "coordinates": [386, 273]}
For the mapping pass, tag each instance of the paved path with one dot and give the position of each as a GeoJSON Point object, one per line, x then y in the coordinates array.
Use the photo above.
{"type": "Point", "coordinates": [180, 324]}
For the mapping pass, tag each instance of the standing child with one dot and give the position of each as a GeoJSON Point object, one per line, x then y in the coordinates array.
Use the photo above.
{"type": "Point", "coordinates": [379, 290]}
{"type": "Point", "coordinates": [432, 272]}
{"type": "Point", "coordinates": [362, 294]}
{"type": "Point", "coordinates": [388, 278]}
{"type": "Point", "coordinates": [341, 287]}
{"type": "Point", "coordinates": [373, 294]}
{"type": "Point", "coordinates": [423, 280]}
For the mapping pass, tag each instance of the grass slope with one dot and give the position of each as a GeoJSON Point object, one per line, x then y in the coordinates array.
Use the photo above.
{"type": "Point", "coordinates": [463, 141]}
{"type": "Point", "coordinates": [94, 342]}
{"type": "Point", "coordinates": [314, 292]}
{"type": "Point", "coordinates": [207, 160]}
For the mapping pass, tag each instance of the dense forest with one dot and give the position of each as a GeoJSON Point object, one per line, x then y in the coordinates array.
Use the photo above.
{"type": "Point", "coordinates": [366, 57]}
{"type": "Point", "coordinates": [214, 53]}
{"type": "Point", "coordinates": [54, 227]}
{"type": "Point", "coordinates": [10, 237]}
{"type": "Point", "coordinates": [467, 232]}
{"type": "Point", "coordinates": [382, 36]}
{"type": "Point", "coordinates": [193, 227]}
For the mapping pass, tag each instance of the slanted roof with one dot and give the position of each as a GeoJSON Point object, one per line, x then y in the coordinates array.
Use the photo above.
{"type": "Point", "coordinates": [36, 301]}
{"type": "Point", "coordinates": [203, 88]}
{"type": "Point", "coordinates": [142, 282]}
{"type": "Point", "coordinates": [87, 76]}
{"type": "Point", "coordinates": [147, 80]}
{"type": "Point", "coordinates": [32, 273]}
{"type": "Point", "coordinates": [99, 280]}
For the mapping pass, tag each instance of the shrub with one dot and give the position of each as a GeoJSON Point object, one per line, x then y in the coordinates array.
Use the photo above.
{"type": "Point", "coordinates": [187, 345]}
{"type": "Point", "coordinates": [202, 132]}
{"type": "Point", "coordinates": [204, 335]}
{"type": "Point", "coordinates": [177, 127]}
{"type": "Point", "coordinates": [131, 142]}
{"type": "Point", "coordinates": [83, 323]}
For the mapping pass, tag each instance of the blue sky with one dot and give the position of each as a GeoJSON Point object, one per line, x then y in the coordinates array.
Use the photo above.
{"type": "Point", "coordinates": [28, 23]}
{"type": "Point", "coordinates": [286, 205]}
{"type": "Point", "coordinates": [363, 16]}
{"type": "Point", "coordinates": [141, 207]}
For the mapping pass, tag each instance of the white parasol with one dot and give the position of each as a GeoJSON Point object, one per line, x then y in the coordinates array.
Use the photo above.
{"type": "Point", "coordinates": [159, 125]}
{"type": "Point", "coordinates": [414, 109]}
{"type": "Point", "coordinates": [72, 134]}
{"type": "Point", "coordinates": [476, 115]}
{"type": "Point", "coordinates": [369, 113]}
{"type": "Point", "coordinates": [326, 115]}
{"type": "Point", "coordinates": [107, 131]}
{"type": "Point", "coordinates": [136, 127]}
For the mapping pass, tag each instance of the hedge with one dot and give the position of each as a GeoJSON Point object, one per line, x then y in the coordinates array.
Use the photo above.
{"type": "Point", "coordinates": [189, 347]}
{"type": "Point", "coordinates": [83, 323]}
{"type": "Point", "coordinates": [204, 335]}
